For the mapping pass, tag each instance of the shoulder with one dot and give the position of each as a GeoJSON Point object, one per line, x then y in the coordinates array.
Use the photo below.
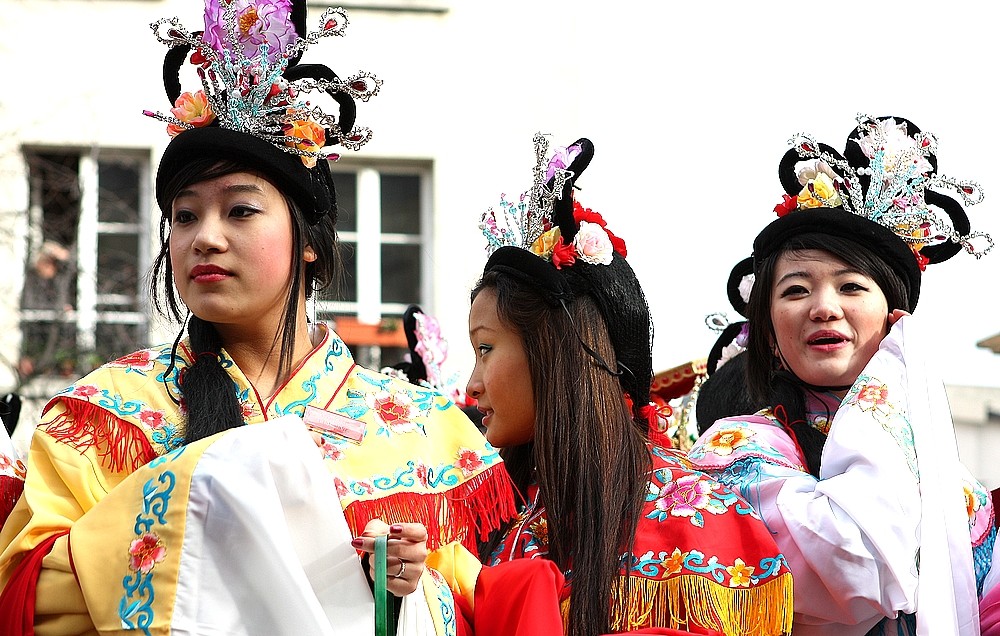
{"type": "Point", "coordinates": [138, 389]}
{"type": "Point", "coordinates": [759, 436]}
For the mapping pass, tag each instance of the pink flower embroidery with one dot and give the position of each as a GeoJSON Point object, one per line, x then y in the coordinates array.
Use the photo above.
{"type": "Point", "coordinates": [685, 496]}
{"type": "Point", "coordinates": [152, 419]}
{"type": "Point", "coordinates": [141, 360]}
{"type": "Point", "coordinates": [331, 451]}
{"type": "Point", "coordinates": [469, 461]}
{"type": "Point", "coordinates": [395, 409]}
{"type": "Point", "coordinates": [341, 487]}
{"type": "Point", "coordinates": [872, 396]}
{"type": "Point", "coordinates": [423, 475]}
{"type": "Point", "coordinates": [146, 551]}
{"type": "Point", "coordinates": [85, 390]}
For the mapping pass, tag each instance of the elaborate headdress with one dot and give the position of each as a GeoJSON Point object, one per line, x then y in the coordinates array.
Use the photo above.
{"type": "Point", "coordinates": [252, 104]}
{"type": "Point", "coordinates": [883, 192]}
{"type": "Point", "coordinates": [549, 241]}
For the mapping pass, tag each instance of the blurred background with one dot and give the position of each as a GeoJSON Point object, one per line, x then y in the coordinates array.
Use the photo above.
{"type": "Point", "coordinates": [689, 105]}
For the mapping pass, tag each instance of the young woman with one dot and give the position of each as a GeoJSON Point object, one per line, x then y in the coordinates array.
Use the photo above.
{"type": "Point", "coordinates": [178, 489]}
{"type": "Point", "coordinates": [563, 339]}
{"type": "Point", "coordinates": [853, 465]}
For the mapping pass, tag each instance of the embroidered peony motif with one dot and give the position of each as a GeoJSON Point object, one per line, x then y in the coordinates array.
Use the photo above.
{"type": "Point", "coordinates": [687, 496]}
{"type": "Point", "coordinates": [84, 390]}
{"type": "Point", "coordinates": [136, 361]}
{"type": "Point", "coordinates": [340, 486]}
{"type": "Point", "coordinates": [871, 395]}
{"type": "Point", "coordinates": [540, 530]}
{"type": "Point", "coordinates": [674, 562]}
{"type": "Point", "coordinates": [396, 410]}
{"type": "Point", "coordinates": [330, 450]}
{"type": "Point", "coordinates": [422, 472]}
{"type": "Point", "coordinates": [739, 574]}
{"type": "Point", "coordinates": [469, 461]}
{"type": "Point", "coordinates": [726, 440]}
{"type": "Point", "coordinates": [146, 552]}
{"type": "Point", "coordinates": [151, 418]}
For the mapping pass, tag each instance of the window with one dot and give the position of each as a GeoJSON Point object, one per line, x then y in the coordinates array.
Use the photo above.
{"type": "Point", "coordinates": [82, 302]}
{"type": "Point", "coordinates": [383, 225]}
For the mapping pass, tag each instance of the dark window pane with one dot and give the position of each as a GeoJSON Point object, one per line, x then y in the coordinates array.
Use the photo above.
{"type": "Point", "coordinates": [400, 203]}
{"type": "Point", "coordinates": [347, 200]}
{"type": "Point", "coordinates": [48, 348]}
{"type": "Point", "coordinates": [55, 187]}
{"type": "Point", "coordinates": [115, 340]}
{"type": "Point", "coordinates": [401, 273]}
{"type": "Point", "coordinates": [118, 192]}
{"type": "Point", "coordinates": [117, 272]}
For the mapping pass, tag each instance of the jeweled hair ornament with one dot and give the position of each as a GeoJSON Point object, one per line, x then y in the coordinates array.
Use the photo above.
{"type": "Point", "coordinates": [247, 61]}
{"type": "Point", "coordinates": [888, 175]}
{"type": "Point", "coordinates": [878, 193]}
{"type": "Point", "coordinates": [547, 240]}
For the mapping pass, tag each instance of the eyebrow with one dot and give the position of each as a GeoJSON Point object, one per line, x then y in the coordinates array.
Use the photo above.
{"type": "Point", "coordinates": [236, 187]}
{"type": "Point", "coordinates": [801, 274]}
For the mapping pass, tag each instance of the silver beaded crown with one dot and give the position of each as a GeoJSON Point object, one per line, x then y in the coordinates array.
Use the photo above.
{"type": "Point", "coordinates": [241, 59]}
{"type": "Point", "coordinates": [519, 224]}
{"type": "Point", "coordinates": [899, 175]}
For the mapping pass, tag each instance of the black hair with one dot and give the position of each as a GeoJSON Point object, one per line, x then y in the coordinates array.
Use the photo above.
{"type": "Point", "coordinates": [724, 394]}
{"type": "Point", "coordinates": [581, 419]}
{"type": "Point", "coordinates": [207, 390]}
{"type": "Point", "coordinates": [768, 384]}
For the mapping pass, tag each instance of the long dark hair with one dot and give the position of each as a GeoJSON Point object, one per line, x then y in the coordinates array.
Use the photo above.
{"type": "Point", "coordinates": [766, 382]}
{"type": "Point", "coordinates": [588, 456]}
{"type": "Point", "coordinates": [208, 391]}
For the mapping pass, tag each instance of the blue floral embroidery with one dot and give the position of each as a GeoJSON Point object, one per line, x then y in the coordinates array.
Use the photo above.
{"type": "Point", "coordinates": [136, 606]}
{"type": "Point", "coordinates": [654, 566]}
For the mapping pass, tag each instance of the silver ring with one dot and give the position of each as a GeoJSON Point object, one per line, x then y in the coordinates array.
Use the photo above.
{"type": "Point", "coordinates": [402, 568]}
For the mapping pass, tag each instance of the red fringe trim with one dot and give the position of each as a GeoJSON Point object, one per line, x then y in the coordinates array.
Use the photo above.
{"type": "Point", "coordinates": [10, 491]}
{"type": "Point", "coordinates": [482, 503]}
{"type": "Point", "coordinates": [120, 444]}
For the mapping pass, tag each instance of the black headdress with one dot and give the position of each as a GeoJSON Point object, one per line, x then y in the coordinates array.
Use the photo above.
{"type": "Point", "coordinates": [251, 108]}
{"type": "Point", "coordinates": [564, 250]}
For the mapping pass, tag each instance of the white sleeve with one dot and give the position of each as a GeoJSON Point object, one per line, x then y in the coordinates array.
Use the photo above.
{"type": "Point", "coordinates": [853, 537]}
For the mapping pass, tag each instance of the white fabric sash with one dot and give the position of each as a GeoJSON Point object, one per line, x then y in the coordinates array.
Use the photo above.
{"type": "Point", "coordinates": [266, 548]}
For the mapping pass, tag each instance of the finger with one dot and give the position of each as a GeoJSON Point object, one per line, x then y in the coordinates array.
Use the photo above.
{"type": "Point", "coordinates": [415, 532]}
{"type": "Point", "coordinates": [895, 315]}
{"type": "Point", "coordinates": [375, 528]}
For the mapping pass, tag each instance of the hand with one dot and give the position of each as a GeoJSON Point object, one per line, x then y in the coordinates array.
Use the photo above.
{"type": "Point", "coordinates": [896, 314]}
{"type": "Point", "coordinates": [406, 553]}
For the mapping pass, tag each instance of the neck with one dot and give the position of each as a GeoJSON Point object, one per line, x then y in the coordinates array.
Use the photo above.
{"type": "Point", "coordinates": [258, 353]}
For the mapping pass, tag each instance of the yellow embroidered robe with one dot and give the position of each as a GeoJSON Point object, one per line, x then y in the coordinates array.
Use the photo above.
{"type": "Point", "coordinates": [420, 460]}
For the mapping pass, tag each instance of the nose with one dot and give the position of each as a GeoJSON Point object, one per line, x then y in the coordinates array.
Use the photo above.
{"type": "Point", "coordinates": [825, 306]}
{"type": "Point", "coordinates": [209, 236]}
{"type": "Point", "coordinates": [475, 386]}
